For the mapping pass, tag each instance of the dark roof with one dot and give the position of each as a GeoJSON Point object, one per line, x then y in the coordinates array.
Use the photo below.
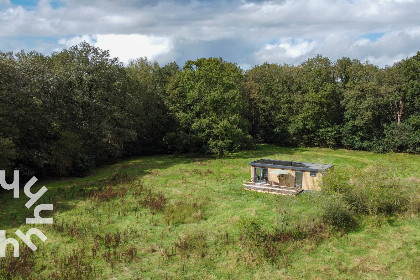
{"type": "Point", "coordinates": [294, 165]}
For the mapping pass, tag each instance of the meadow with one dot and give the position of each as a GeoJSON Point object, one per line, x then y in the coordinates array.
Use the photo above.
{"type": "Point", "coordinates": [187, 217]}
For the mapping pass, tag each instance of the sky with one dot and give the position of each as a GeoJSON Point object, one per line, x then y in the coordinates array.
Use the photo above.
{"type": "Point", "coordinates": [246, 32]}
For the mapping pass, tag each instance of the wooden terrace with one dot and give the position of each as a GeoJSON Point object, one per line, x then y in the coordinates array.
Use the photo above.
{"type": "Point", "coordinates": [270, 187]}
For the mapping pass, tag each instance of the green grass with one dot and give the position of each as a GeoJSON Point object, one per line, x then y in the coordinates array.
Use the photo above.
{"type": "Point", "coordinates": [179, 217]}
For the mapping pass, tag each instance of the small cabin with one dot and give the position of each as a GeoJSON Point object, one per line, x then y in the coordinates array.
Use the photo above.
{"type": "Point", "coordinates": [285, 177]}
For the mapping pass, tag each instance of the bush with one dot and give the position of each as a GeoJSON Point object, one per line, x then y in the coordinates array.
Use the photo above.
{"type": "Point", "coordinates": [358, 199]}
{"type": "Point", "coordinates": [371, 192]}
{"type": "Point", "coordinates": [401, 138]}
{"type": "Point", "coordinates": [336, 182]}
{"type": "Point", "coordinates": [389, 201]}
{"type": "Point", "coordinates": [338, 214]}
{"type": "Point", "coordinates": [375, 200]}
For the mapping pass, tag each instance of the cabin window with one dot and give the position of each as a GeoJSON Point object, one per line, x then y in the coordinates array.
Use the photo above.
{"type": "Point", "coordinates": [298, 179]}
{"type": "Point", "coordinates": [260, 174]}
{"type": "Point", "coordinates": [313, 174]}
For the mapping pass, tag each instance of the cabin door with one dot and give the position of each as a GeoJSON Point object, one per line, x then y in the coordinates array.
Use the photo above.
{"type": "Point", "coordinates": [298, 179]}
{"type": "Point", "coordinates": [260, 174]}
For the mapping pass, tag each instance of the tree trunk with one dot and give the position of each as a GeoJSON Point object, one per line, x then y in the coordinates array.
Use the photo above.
{"type": "Point", "coordinates": [399, 107]}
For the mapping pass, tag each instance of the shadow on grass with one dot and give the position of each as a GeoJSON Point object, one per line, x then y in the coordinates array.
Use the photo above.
{"type": "Point", "coordinates": [263, 151]}
{"type": "Point", "coordinates": [65, 193]}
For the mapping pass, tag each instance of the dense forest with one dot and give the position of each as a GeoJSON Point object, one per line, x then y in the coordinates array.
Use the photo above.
{"type": "Point", "coordinates": [64, 113]}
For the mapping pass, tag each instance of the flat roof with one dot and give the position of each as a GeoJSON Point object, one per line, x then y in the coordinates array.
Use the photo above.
{"type": "Point", "coordinates": [294, 165]}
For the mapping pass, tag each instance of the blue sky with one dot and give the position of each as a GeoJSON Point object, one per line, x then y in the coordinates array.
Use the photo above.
{"type": "Point", "coordinates": [31, 4]}
{"type": "Point", "coordinates": [242, 31]}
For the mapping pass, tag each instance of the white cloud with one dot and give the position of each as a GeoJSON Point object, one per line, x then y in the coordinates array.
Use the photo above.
{"type": "Point", "coordinates": [76, 40]}
{"type": "Point", "coordinates": [287, 50]}
{"type": "Point", "coordinates": [387, 49]}
{"type": "Point", "coordinates": [4, 3]}
{"type": "Point", "coordinates": [126, 46]}
{"type": "Point", "coordinates": [240, 31]}
{"type": "Point", "coordinates": [133, 46]}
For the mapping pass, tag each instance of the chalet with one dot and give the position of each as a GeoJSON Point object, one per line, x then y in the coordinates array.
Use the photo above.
{"type": "Point", "coordinates": [285, 177]}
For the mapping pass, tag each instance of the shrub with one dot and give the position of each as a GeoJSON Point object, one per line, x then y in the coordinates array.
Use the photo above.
{"type": "Point", "coordinates": [374, 200]}
{"type": "Point", "coordinates": [338, 214]}
{"type": "Point", "coordinates": [65, 153]}
{"type": "Point", "coordinates": [358, 199]}
{"type": "Point", "coordinates": [83, 165]}
{"type": "Point", "coordinates": [328, 137]}
{"type": "Point", "coordinates": [389, 201]}
{"type": "Point", "coordinates": [372, 191]}
{"type": "Point", "coordinates": [336, 181]}
{"type": "Point", "coordinates": [398, 137]}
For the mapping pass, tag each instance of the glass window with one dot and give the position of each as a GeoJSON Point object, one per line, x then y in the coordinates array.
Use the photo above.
{"type": "Point", "coordinates": [260, 174]}
{"type": "Point", "coordinates": [298, 179]}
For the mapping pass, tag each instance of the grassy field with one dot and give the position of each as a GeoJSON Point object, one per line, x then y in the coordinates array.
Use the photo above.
{"type": "Point", "coordinates": [185, 217]}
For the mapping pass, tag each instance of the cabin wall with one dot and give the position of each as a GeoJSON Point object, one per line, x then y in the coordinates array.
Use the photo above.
{"type": "Point", "coordinates": [311, 183]}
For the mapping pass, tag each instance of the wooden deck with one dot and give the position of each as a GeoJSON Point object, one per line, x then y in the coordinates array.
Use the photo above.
{"type": "Point", "coordinates": [270, 188]}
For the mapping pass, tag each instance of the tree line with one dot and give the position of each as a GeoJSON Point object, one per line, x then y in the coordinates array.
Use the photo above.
{"type": "Point", "coordinates": [64, 113]}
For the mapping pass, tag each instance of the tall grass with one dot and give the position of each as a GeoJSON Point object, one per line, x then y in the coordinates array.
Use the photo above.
{"type": "Point", "coordinates": [187, 217]}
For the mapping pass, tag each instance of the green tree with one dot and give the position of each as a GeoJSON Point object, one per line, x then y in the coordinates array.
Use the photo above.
{"type": "Point", "coordinates": [316, 105]}
{"type": "Point", "coordinates": [404, 90]}
{"type": "Point", "coordinates": [209, 108]}
{"type": "Point", "coordinates": [93, 98]}
{"type": "Point", "coordinates": [148, 89]}
{"type": "Point", "coordinates": [7, 132]}
{"type": "Point", "coordinates": [270, 89]}
{"type": "Point", "coordinates": [27, 86]}
{"type": "Point", "coordinates": [366, 108]}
